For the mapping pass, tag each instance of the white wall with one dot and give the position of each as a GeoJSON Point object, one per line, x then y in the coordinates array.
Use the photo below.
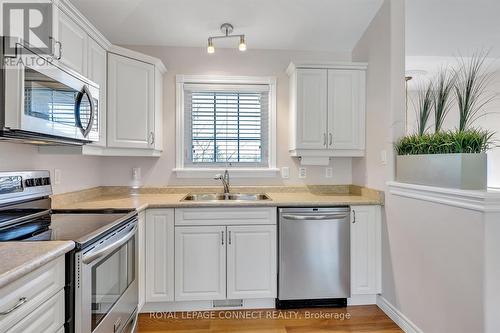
{"type": "Point", "coordinates": [382, 46]}
{"type": "Point", "coordinates": [181, 60]}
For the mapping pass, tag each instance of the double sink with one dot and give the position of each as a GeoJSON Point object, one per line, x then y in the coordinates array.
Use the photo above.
{"type": "Point", "coordinates": [233, 197]}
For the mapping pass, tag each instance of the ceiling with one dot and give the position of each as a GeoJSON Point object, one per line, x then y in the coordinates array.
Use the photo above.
{"type": "Point", "coordinates": [452, 27]}
{"type": "Point", "coordinates": [313, 25]}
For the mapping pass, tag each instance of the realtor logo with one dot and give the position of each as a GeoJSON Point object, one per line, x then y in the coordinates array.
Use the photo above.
{"type": "Point", "coordinates": [29, 21]}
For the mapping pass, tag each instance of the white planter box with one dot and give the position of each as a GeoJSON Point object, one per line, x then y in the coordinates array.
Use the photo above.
{"type": "Point", "coordinates": [462, 171]}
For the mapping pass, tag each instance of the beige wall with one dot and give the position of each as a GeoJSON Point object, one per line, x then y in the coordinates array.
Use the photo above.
{"type": "Point", "coordinates": [78, 172]}
{"type": "Point", "coordinates": [117, 171]}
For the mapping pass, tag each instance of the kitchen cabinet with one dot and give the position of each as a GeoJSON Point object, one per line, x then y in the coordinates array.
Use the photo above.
{"type": "Point", "coordinates": [39, 296]}
{"type": "Point", "coordinates": [327, 111]}
{"type": "Point", "coordinates": [366, 262]}
{"type": "Point", "coordinates": [251, 263]}
{"type": "Point", "coordinates": [135, 104]}
{"type": "Point", "coordinates": [73, 41]}
{"type": "Point", "coordinates": [200, 263]}
{"type": "Point", "coordinates": [159, 253]}
{"type": "Point", "coordinates": [225, 253]}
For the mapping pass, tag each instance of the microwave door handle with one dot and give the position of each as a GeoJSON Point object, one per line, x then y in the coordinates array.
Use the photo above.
{"type": "Point", "coordinates": [85, 92]}
{"type": "Point", "coordinates": [92, 256]}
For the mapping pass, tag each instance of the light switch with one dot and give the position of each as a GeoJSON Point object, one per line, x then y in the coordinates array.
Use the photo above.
{"type": "Point", "coordinates": [383, 157]}
{"type": "Point", "coordinates": [285, 172]}
{"type": "Point", "coordinates": [57, 176]}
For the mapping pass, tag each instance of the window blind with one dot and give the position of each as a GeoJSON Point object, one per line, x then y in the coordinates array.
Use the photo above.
{"type": "Point", "coordinates": [226, 125]}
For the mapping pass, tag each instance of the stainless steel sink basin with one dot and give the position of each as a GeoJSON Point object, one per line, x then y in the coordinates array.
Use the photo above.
{"type": "Point", "coordinates": [226, 197]}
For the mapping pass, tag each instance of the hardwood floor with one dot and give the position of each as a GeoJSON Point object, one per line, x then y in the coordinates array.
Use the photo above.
{"type": "Point", "coordinates": [367, 318]}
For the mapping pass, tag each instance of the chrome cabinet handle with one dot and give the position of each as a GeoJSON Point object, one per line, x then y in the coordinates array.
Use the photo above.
{"type": "Point", "coordinates": [152, 138]}
{"type": "Point", "coordinates": [59, 54]}
{"type": "Point", "coordinates": [229, 235]}
{"type": "Point", "coordinates": [21, 301]}
{"type": "Point", "coordinates": [222, 237]}
{"type": "Point", "coordinates": [331, 138]}
{"type": "Point", "coordinates": [353, 216]}
{"type": "Point", "coordinates": [324, 139]}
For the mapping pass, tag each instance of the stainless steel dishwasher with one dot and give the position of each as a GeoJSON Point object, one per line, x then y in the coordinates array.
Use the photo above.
{"type": "Point", "coordinates": [314, 257]}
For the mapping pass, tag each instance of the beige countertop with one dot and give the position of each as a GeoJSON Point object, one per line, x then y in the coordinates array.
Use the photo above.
{"type": "Point", "coordinates": [173, 200]}
{"type": "Point", "coordinates": [21, 258]}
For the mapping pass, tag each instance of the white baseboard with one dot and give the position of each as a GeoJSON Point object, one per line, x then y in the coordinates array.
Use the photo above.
{"type": "Point", "coordinates": [399, 318]}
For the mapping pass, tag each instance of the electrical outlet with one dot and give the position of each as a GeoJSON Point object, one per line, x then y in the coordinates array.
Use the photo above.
{"type": "Point", "coordinates": [285, 172]}
{"type": "Point", "coordinates": [136, 174]}
{"type": "Point", "coordinates": [57, 176]}
{"type": "Point", "coordinates": [302, 172]}
{"type": "Point", "coordinates": [328, 172]}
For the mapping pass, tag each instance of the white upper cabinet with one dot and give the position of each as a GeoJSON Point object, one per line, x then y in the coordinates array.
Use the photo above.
{"type": "Point", "coordinates": [251, 261]}
{"type": "Point", "coordinates": [327, 111]}
{"type": "Point", "coordinates": [366, 262]}
{"type": "Point", "coordinates": [73, 44]}
{"type": "Point", "coordinates": [311, 116]}
{"type": "Point", "coordinates": [97, 72]}
{"type": "Point", "coordinates": [130, 103]}
{"type": "Point", "coordinates": [346, 105]}
{"type": "Point", "coordinates": [135, 101]}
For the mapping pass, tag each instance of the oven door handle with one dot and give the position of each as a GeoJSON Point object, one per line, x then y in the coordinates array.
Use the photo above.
{"type": "Point", "coordinates": [90, 257]}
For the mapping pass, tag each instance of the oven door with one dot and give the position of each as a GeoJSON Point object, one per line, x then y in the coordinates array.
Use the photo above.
{"type": "Point", "coordinates": [106, 291]}
{"type": "Point", "coordinates": [44, 98]}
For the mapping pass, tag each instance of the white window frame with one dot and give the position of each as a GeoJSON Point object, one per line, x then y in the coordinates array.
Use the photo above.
{"type": "Point", "coordinates": [201, 172]}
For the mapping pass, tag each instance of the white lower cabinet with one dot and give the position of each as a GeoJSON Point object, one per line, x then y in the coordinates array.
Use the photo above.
{"type": "Point", "coordinates": [34, 302]}
{"type": "Point", "coordinates": [200, 263]}
{"type": "Point", "coordinates": [366, 262]}
{"type": "Point", "coordinates": [159, 261]}
{"type": "Point", "coordinates": [251, 261]}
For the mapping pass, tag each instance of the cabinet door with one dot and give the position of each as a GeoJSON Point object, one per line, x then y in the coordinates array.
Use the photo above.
{"type": "Point", "coordinates": [159, 255]}
{"type": "Point", "coordinates": [130, 103]}
{"type": "Point", "coordinates": [346, 109]}
{"type": "Point", "coordinates": [97, 70]}
{"type": "Point", "coordinates": [74, 42]}
{"type": "Point", "coordinates": [311, 127]}
{"type": "Point", "coordinates": [200, 263]}
{"type": "Point", "coordinates": [251, 261]}
{"type": "Point", "coordinates": [365, 250]}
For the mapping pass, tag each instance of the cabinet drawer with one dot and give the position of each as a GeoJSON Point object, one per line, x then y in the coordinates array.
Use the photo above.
{"type": "Point", "coordinates": [225, 216]}
{"type": "Point", "coordinates": [37, 287]}
{"type": "Point", "coordinates": [47, 318]}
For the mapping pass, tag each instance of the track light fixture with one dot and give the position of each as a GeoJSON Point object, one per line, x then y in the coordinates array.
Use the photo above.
{"type": "Point", "coordinates": [226, 29]}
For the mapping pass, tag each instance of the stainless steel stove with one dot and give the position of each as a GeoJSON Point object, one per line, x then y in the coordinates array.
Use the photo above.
{"type": "Point", "coordinates": [101, 275]}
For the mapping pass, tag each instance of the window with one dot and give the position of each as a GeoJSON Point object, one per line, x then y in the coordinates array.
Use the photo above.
{"type": "Point", "coordinates": [227, 124]}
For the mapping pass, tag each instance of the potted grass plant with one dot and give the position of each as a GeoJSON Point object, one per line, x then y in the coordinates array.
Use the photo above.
{"type": "Point", "coordinates": [456, 157]}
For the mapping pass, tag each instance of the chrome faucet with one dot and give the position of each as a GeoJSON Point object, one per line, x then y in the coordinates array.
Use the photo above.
{"type": "Point", "coordinates": [225, 181]}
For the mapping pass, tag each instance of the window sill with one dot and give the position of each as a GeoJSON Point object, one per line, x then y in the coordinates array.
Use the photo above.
{"type": "Point", "coordinates": [233, 172]}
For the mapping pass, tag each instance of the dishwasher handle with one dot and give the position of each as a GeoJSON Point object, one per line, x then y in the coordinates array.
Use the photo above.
{"type": "Point", "coordinates": [337, 216]}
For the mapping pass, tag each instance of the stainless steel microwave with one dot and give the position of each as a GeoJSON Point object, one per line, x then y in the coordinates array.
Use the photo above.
{"type": "Point", "coordinates": [42, 101]}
